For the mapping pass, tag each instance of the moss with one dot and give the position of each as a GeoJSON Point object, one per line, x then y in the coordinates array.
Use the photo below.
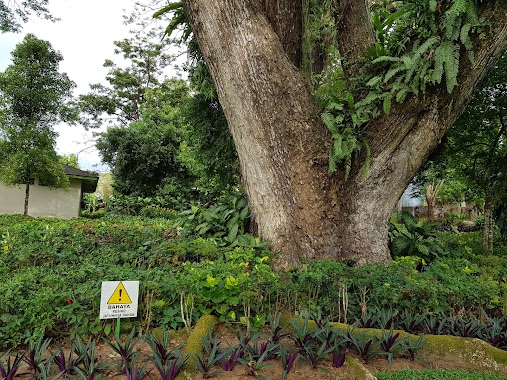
{"type": "Point", "coordinates": [359, 371]}
{"type": "Point", "coordinates": [173, 334]}
{"type": "Point", "coordinates": [204, 325]}
{"type": "Point", "coordinates": [478, 353]}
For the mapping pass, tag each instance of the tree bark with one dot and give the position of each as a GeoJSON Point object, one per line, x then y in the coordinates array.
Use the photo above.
{"type": "Point", "coordinates": [283, 146]}
{"type": "Point", "coordinates": [487, 242]}
{"type": "Point", "coordinates": [285, 16]}
{"type": "Point", "coordinates": [27, 195]}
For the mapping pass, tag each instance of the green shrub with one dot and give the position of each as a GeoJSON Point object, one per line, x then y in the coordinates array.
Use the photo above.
{"type": "Point", "coordinates": [157, 212]}
{"type": "Point", "coordinates": [51, 270]}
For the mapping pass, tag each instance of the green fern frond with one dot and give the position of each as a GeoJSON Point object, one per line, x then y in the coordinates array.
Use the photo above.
{"type": "Point", "coordinates": [425, 46]}
{"type": "Point", "coordinates": [451, 67]}
{"type": "Point", "coordinates": [401, 95]}
{"type": "Point", "coordinates": [387, 103]}
{"type": "Point", "coordinates": [168, 8]}
{"type": "Point", "coordinates": [459, 7]}
{"type": "Point", "coordinates": [392, 72]}
{"type": "Point", "coordinates": [374, 81]}
{"type": "Point", "coordinates": [408, 61]}
{"type": "Point", "coordinates": [386, 58]}
{"type": "Point", "coordinates": [471, 15]}
{"type": "Point", "coordinates": [329, 121]}
{"type": "Point", "coordinates": [465, 36]}
{"type": "Point", "coordinates": [433, 5]}
{"type": "Point", "coordinates": [369, 99]}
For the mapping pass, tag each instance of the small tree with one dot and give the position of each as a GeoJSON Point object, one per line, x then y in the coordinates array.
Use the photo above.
{"type": "Point", "coordinates": [35, 96]}
{"type": "Point", "coordinates": [71, 160]}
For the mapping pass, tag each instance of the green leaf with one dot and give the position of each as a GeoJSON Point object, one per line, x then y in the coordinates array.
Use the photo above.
{"type": "Point", "coordinates": [387, 103]}
{"type": "Point", "coordinates": [433, 5]}
{"type": "Point", "coordinates": [168, 8]}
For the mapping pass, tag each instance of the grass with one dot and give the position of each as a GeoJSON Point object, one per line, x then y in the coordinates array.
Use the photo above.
{"type": "Point", "coordinates": [436, 374]}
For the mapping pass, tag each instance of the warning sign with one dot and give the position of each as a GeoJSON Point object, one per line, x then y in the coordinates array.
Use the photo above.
{"type": "Point", "coordinates": [118, 299]}
{"type": "Point", "coordinates": [120, 296]}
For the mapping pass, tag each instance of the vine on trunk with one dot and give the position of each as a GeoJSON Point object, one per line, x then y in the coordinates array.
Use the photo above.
{"type": "Point", "coordinates": [418, 44]}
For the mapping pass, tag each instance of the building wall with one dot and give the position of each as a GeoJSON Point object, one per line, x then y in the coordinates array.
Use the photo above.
{"type": "Point", "coordinates": [43, 201]}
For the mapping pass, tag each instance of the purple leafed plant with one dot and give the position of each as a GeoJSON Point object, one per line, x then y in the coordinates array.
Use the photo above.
{"type": "Point", "coordinates": [65, 364]}
{"type": "Point", "coordinates": [124, 349]}
{"type": "Point", "coordinates": [136, 373]}
{"type": "Point", "coordinates": [288, 360]}
{"type": "Point", "coordinates": [338, 357]}
{"type": "Point", "coordinates": [8, 372]}
{"type": "Point", "coordinates": [234, 354]}
{"type": "Point", "coordinates": [388, 344]}
{"type": "Point", "coordinates": [170, 370]}
{"type": "Point", "coordinates": [161, 349]}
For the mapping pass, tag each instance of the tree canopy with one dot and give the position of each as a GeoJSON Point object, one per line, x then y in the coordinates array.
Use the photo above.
{"type": "Point", "coordinates": [145, 155]}
{"type": "Point", "coordinates": [12, 13]}
{"type": "Point", "coordinates": [476, 153]}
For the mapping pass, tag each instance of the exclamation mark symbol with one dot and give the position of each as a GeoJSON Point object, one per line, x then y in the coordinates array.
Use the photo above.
{"type": "Point", "coordinates": [121, 290]}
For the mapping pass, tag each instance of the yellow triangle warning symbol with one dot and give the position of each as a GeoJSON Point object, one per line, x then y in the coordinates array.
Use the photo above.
{"type": "Point", "coordinates": [119, 296]}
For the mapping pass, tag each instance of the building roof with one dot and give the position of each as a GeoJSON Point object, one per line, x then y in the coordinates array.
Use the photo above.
{"type": "Point", "coordinates": [88, 179]}
{"type": "Point", "coordinates": [73, 172]}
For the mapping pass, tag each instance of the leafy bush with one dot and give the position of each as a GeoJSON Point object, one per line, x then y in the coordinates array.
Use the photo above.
{"type": "Point", "coordinates": [414, 238]}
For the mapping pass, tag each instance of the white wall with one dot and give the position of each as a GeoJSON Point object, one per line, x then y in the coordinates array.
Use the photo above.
{"type": "Point", "coordinates": [43, 201]}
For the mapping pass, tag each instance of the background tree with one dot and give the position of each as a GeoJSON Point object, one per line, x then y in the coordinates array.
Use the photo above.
{"type": "Point", "coordinates": [35, 96]}
{"type": "Point", "coordinates": [70, 160]}
{"type": "Point", "coordinates": [476, 146]}
{"type": "Point", "coordinates": [144, 156]}
{"type": "Point", "coordinates": [381, 119]}
{"type": "Point", "coordinates": [190, 130]}
{"type": "Point", "coordinates": [209, 139]}
{"type": "Point", "coordinates": [13, 12]}
{"type": "Point", "coordinates": [122, 98]}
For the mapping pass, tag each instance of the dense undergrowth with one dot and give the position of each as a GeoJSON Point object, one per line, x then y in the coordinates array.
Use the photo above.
{"type": "Point", "coordinates": [51, 270]}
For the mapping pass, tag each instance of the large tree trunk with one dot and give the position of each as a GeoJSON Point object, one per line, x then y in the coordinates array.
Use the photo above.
{"type": "Point", "coordinates": [283, 146]}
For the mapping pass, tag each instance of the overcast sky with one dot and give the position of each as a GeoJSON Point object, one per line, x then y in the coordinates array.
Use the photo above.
{"type": "Point", "coordinates": [85, 38]}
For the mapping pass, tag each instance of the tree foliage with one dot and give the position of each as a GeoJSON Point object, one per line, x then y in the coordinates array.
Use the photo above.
{"type": "Point", "coordinates": [13, 13]}
{"type": "Point", "coordinates": [122, 98]}
{"type": "Point", "coordinates": [144, 156]}
{"type": "Point", "coordinates": [35, 96]}
{"type": "Point", "coordinates": [475, 152]}
{"type": "Point", "coordinates": [71, 160]}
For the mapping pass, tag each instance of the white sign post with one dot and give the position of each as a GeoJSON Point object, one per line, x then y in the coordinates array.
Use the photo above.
{"type": "Point", "coordinates": [119, 299]}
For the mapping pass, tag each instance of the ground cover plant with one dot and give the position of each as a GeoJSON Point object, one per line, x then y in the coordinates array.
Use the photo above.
{"type": "Point", "coordinates": [436, 374]}
{"type": "Point", "coordinates": [50, 274]}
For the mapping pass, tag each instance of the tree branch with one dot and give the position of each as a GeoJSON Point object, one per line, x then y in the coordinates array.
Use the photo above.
{"type": "Point", "coordinates": [285, 16]}
{"type": "Point", "coordinates": [355, 34]}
